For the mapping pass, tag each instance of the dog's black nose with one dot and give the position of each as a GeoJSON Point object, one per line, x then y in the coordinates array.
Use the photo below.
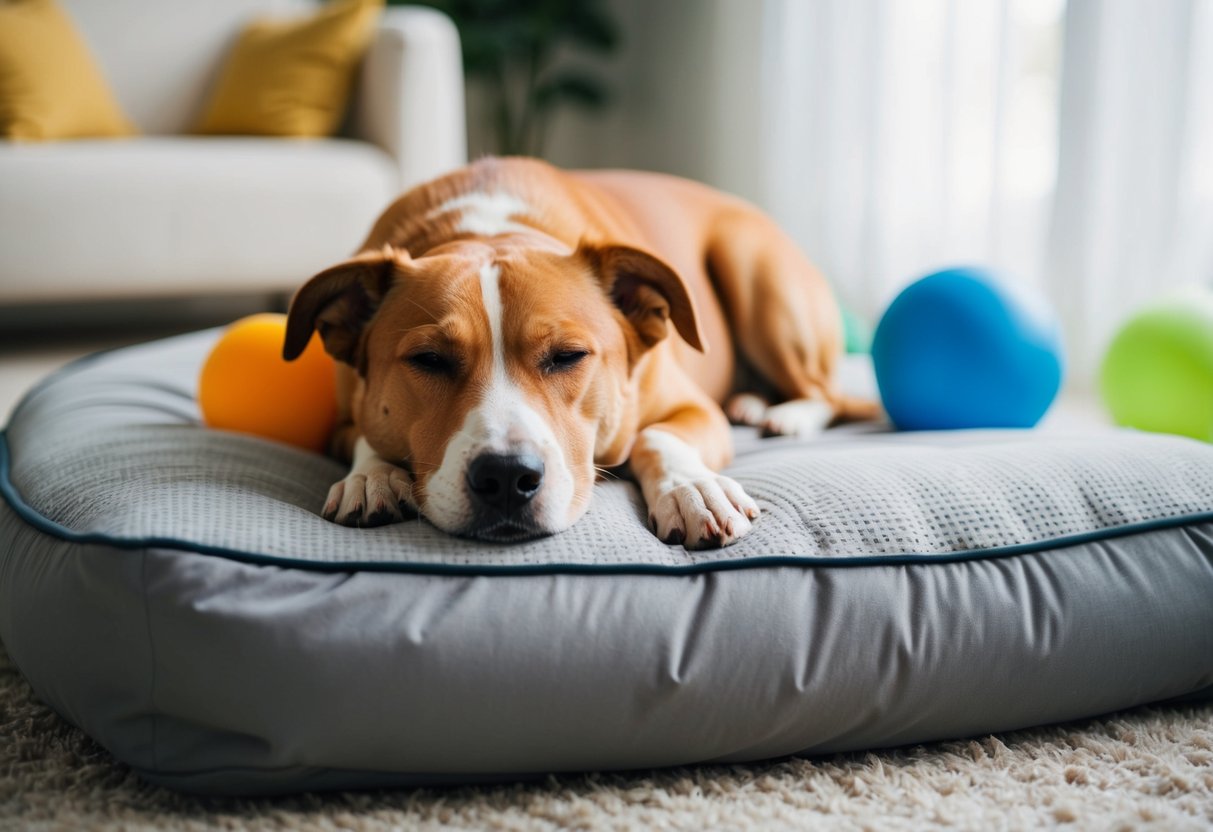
{"type": "Point", "coordinates": [505, 481]}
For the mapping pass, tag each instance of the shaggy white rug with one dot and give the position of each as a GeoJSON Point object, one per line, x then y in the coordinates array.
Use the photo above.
{"type": "Point", "coordinates": [1150, 768]}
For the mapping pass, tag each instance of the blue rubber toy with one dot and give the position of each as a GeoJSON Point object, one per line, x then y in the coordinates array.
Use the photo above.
{"type": "Point", "coordinates": [957, 349]}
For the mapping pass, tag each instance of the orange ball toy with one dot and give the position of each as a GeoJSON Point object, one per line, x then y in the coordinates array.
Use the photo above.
{"type": "Point", "coordinates": [246, 386]}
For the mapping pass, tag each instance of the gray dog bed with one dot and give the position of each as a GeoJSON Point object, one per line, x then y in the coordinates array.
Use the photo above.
{"type": "Point", "coordinates": [172, 591]}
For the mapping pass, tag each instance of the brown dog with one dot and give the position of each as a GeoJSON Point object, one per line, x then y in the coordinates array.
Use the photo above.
{"type": "Point", "coordinates": [505, 331]}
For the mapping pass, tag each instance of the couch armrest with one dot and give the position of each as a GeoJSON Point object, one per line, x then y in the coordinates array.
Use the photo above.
{"type": "Point", "coordinates": [409, 99]}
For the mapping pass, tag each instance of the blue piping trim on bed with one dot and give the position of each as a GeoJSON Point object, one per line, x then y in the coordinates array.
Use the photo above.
{"type": "Point", "coordinates": [43, 524]}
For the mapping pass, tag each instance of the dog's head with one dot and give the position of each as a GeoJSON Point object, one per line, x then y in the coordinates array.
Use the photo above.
{"type": "Point", "coordinates": [499, 374]}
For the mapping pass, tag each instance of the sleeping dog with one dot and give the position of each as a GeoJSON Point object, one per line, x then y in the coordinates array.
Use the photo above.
{"type": "Point", "coordinates": [510, 328]}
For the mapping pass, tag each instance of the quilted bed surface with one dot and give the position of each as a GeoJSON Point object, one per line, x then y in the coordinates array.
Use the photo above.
{"type": "Point", "coordinates": [172, 590]}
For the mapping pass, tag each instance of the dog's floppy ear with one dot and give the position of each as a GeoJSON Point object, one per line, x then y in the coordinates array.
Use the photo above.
{"type": "Point", "coordinates": [646, 290]}
{"type": "Point", "coordinates": [339, 302]}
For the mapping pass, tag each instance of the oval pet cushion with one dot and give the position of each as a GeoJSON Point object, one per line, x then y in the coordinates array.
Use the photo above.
{"type": "Point", "coordinates": [171, 590]}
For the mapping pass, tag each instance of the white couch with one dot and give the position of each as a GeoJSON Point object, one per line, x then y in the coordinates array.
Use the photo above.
{"type": "Point", "coordinates": [167, 214]}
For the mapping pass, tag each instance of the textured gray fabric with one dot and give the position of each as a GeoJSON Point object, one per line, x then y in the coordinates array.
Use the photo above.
{"type": "Point", "coordinates": [116, 450]}
{"type": "Point", "coordinates": [211, 674]}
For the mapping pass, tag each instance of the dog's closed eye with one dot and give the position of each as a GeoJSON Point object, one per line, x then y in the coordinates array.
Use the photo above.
{"type": "Point", "coordinates": [433, 363]}
{"type": "Point", "coordinates": [561, 360]}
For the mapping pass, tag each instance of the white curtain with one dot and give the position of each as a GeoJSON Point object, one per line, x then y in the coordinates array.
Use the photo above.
{"type": "Point", "coordinates": [1068, 145]}
{"type": "Point", "coordinates": [1133, 213]}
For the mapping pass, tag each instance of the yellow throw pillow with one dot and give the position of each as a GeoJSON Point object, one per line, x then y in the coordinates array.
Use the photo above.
{"type": "Point", "coordinates": [292, 78]}
{"type": "Point", "coordinates": [50, 86]}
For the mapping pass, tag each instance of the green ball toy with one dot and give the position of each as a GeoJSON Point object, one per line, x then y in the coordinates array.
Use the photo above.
{"type": "Point", "coordinates": [1158, 372]}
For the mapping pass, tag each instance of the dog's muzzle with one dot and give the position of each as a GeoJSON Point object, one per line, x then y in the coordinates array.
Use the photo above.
{"type": "Point", "coordinates": [502, 488]}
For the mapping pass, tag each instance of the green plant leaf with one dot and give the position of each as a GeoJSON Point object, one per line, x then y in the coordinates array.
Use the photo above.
{"type": "Point", "coordinates": [589, 25]}
{"type": "Point", "coordinates": [483, 51]}
{"type": "Point", "coordinates": [506, 42]}
{"type": "Point", "coordinates": [574, 87]}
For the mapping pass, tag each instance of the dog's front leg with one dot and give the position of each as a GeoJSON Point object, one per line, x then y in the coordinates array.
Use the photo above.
{"type": "Point", "coordinates": [373, 493]}
{"type": "Point", "coordinates": [689, 503]}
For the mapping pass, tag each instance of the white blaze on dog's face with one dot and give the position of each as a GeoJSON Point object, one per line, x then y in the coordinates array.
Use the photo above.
{"type": "Point", "coordinates": [499, 375]}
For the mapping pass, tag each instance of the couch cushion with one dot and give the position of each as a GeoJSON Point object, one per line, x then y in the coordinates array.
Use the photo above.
{"type": "Point", "coordinates": [166, 215]}
{"type": "Point", "coordinates": [162, 56]}
{"type": "Point", "coordinates": [291, 76]}
{"type": "Point", "coordinates": [50, 86]}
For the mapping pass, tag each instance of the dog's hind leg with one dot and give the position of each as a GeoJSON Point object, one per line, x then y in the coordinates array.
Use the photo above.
{"type": "Point", "coordinates": [786, 324]}
{"type": "Point", "coordinates": [746, 408]}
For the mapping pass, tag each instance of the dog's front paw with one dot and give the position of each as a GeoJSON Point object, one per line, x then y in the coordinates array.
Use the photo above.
{"type": "Point", "coordinates": [704, 512]}
{"type": "Point", "coordinates": [372, 496]}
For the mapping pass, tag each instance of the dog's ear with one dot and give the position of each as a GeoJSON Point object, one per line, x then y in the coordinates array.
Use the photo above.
{"type": "Point", "coordinates": [339, 302]}
{"type": "Point", "coordinates": [646, 290]}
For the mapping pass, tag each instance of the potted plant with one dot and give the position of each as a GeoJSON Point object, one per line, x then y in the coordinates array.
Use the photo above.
{"type": "Point", "coordinates": [515, 49]}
